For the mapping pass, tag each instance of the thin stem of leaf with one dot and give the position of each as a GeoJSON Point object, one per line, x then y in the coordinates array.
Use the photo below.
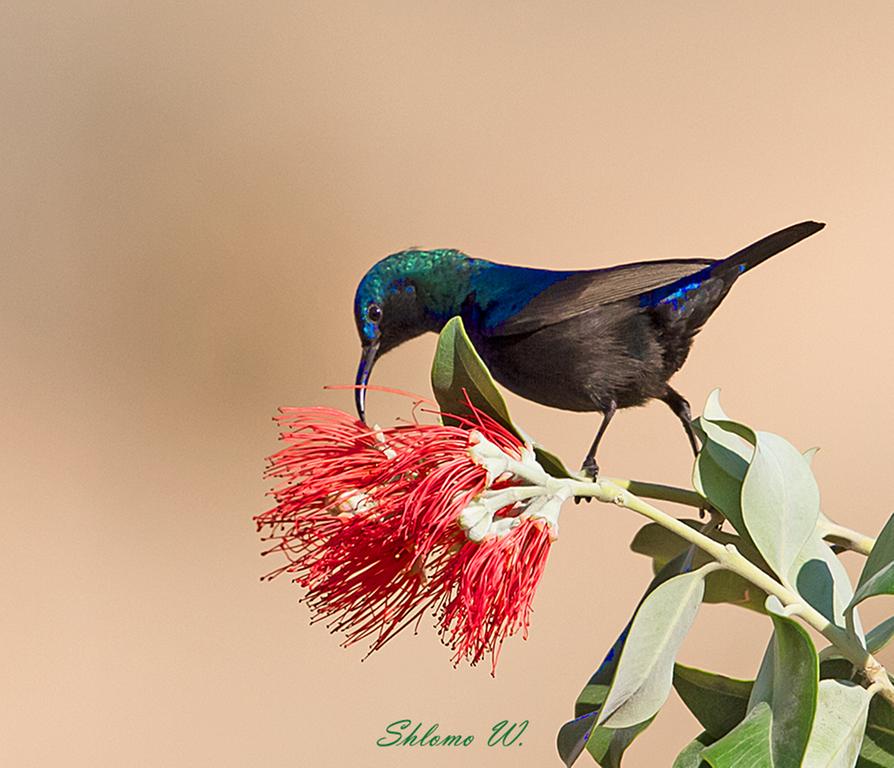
{"type": "Point", "coordinates": [846, 537]}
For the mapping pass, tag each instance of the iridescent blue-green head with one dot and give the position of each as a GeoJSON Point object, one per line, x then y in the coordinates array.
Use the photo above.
{"type": "Point", "coordinates": [403, 296]}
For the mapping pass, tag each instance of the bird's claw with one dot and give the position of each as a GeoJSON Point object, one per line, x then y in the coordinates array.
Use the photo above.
{"type": "Point", "coordinates": [590, 469]}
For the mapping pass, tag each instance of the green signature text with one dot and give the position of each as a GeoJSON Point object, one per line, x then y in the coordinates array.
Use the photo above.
{"type": "Point", "coordinates": [406, 733]}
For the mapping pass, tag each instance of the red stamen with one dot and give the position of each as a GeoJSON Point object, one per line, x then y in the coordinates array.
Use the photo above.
{"type": "Point", "coordinates": [368, 522]}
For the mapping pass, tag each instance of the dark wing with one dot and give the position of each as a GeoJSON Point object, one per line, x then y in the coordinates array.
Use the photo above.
{"type": "Point", "coordinates": [580, 292]}
{"type": "Point", "coordinates": [517, 309]}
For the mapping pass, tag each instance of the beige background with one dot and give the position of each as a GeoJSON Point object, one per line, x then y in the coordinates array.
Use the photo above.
{"type": "Point", "coordinates": [190, 192]}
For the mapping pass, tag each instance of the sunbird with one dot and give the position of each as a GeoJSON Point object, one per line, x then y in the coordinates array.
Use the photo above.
{"type": "Point", "coordinates": [579, 340]}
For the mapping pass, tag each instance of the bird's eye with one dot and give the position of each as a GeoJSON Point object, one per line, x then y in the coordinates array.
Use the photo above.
{"type": "Point", "coordinates": [374, 313]}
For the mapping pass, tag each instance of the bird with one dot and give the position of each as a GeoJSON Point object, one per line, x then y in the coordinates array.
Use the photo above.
{"type": "Point", "coordinates": [593, 340]}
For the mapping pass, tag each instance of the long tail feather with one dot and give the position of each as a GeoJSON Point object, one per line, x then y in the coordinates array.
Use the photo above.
{"type": "Point", "coordinates": [763, 249]}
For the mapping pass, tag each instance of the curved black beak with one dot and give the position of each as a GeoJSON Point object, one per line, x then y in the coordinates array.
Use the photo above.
{"type": "Point", "coordinates": [367, 360]}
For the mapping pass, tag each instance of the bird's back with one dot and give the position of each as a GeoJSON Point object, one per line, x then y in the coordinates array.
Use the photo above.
{"type": "Point", "coordinates": [514, 300]}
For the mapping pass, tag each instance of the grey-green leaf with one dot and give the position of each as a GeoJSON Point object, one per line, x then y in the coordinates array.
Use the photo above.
{"type": "Point", "coordinates": [644, 675]}
{"type": "Point", "coordinates": [788, 681]}
{"type": "Point", "coordinates": [718, 702]}
{"type": "Point", "coordinates": [780, 501]}
{"type": "Point", "coordinates": [747, 745]}
{"type": "Point", "coordinates": [837, 734]}
{"type": "Point", "coordinates": [721, 463]}
{"type": "Point", "coordinates": [607, 745]}
{"type": "Point", "coordinates": [760, 482]}
{"type": "Point", "coordinates": [821, 579]}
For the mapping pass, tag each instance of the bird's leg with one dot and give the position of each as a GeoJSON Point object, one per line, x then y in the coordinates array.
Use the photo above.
{"type": "Point", "coordinates": [590, 467]}
{"type": "Point", "coordinates": [680, 406]}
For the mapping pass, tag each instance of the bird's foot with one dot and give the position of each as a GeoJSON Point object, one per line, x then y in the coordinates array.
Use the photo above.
{"type": "Point", "coordinates": [590, 468]}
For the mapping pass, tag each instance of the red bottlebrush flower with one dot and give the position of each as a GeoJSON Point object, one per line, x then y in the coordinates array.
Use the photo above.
{"type": "Point", "coordinates": [490, 587]}
{"type": "Point", "coordinates": [380, 525]}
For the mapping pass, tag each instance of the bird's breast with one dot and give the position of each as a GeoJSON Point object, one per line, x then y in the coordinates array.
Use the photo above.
{"type": "Point", "coordinates": [582, 363]}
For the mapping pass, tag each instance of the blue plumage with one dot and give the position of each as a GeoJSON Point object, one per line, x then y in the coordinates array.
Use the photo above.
{"type": "Point", "coordinates": [503, 291]}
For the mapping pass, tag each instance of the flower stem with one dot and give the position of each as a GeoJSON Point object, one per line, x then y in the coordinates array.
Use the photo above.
{"type": "Point", "coordinates": [729, 557]}
{"type": "Point", "coordinates": [658, 491]}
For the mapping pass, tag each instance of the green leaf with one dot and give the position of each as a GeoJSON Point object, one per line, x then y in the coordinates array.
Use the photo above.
{"type": "Point", "coordinates": [747, 745]}
{"type": "Point", "coordinates": [644, 676]}
{"type": "Point", "coordinates": [882, 583]}
{"type": "Point", "coordinates": [835, 667]}
{"type": "Point", "coordinates": [880, 636]}
{"type": "Point", "coordinates": [458, 367]}
{"type": "Point", "coordinates": [877, 577]}
{"type": "Point", "coordinates": [691, 756]}
{"type": "Point", "coordinates": [459, 372]}
{"type": "Point", "coordinates": [718, 702]}
{"type": "Point", "coordinates": [662, 545]}
{"type": "Point", "coordinates": [788, 681]}
{"type": "Point", "coordinates": [572, 737]}
{"type": "Point", "coordinates": [837, 734]}
{"type": "Point", "coordinates": [877, 750]}
{"type": "Point", "coordinates": [882, 554]}
{"type": "Point", "coordinates": [607, 745]}
{"type": "Point", "coordinates": [727, 587]}
{"type": "Point", "coordinates": [550, 462]}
